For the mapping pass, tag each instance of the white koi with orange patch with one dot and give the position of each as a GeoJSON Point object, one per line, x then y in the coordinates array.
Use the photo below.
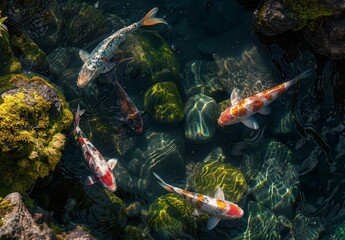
{"type": "Point", "coordinates": [217, 207]}
{"type": "Point", "coordinates": [242, 110]}
{"type": "Point", "coordinates": [101, 169]}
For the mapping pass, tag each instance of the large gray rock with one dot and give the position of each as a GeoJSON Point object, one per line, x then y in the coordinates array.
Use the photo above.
{"type": "Point", "coordinates": [19, 224]}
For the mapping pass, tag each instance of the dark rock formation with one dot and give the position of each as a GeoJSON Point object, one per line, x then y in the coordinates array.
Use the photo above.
{"type": "Point", "coordinates": [19, 224]}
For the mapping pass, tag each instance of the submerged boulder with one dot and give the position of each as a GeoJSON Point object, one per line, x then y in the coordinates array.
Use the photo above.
{"type": "Point", "coordinates": [32, 116]}
{"type": "Point", "coordinates": [17, 222]}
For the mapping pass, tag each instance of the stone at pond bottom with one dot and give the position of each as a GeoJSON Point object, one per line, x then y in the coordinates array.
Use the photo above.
{"type": "Point", "coordinates": [134, 233]}
{"type": "Point", "coordinates": [154, 59]}
{"type": "Point", "coordinates": [208, 175]}
{"type": "Point", "coordinates": [33, 114]}
{"type": "Point", "coordinates": [17, 223]}
{"type": "Point", "coordinates": [276, 183]}
{"type": "Point", "coordinates": [200, 78]}
{"type": "Point", "coordinates": [199, 127]}
{"type": "Point", "coordinates": [170, 217]}
{"type": "Point", "coordinates": [261, 223]}
{"type": "Point", "coordinates": [164, 103]}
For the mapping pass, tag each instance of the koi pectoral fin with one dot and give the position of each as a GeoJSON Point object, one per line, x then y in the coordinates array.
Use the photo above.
{"type": "Point", "coordinates": [197, 212]}
{"type": "Point", "coordinates": [251, 123]}
{"type": "Point", "coordinates": [212, 222]}
{"type": "Point", "coordinates": [91, 180]}
{"type": "Point", "coordinates": [265, 110]}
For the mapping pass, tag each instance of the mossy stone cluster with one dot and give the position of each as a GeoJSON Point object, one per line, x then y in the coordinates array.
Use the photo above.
{"type": "Point", "coordinates": [5, 207]}
{"type": "Point", "coordinates": [32, 116]}
{"type": "Point", "coordinates": [154, 68]}
{"type": "Point", "coordinates": [9, 63]}
{"type": "Point", "coordinates": [163, 101]}
{"type": "Point", "coordinates": [170, 217]}
{"type": "Point", "coordinates": [209, 175]}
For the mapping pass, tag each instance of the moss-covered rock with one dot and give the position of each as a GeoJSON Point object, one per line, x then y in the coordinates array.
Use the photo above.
{"type": "Point", "coordinates": [133, 233]}
{"type": "Point", "coordinates": [209, 175]}
{"type": "Point", "coordinates": [32, 116]}
{"type": "Point", "coordinates": [9, 63]}
{"type": "Point", "coordinates": [170, 217]}
{"type": "Point", "coordinates": [164, 103]}
{"type": "Point", "coordinates": [153, 57]}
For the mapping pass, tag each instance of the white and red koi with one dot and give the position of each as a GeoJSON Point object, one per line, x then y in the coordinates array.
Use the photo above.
{"type": "Point", "coordinates": [101, 169]}
{"type": "Point", "coordinates": [217, 207]}
{"type": "Point", "coordinates": [242, 110]}
{"type": "Point", "coordinates": [130, 113]}
{"type": "Point", "coordinates": [104, 57]}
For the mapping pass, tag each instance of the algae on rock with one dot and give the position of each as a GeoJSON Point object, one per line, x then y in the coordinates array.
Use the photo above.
{"type": "Point", "coordinates": [32, 116]}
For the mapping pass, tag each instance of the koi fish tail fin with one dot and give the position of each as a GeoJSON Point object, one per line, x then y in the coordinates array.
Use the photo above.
{"type": "Point", "coordinates": [78, 115]}
{"type": "Point", "coordinates": [150, 18]}
{"type": "Point", "coordinates": [306, 74]}
{"type": "Point", "coordinates": [163, 184]}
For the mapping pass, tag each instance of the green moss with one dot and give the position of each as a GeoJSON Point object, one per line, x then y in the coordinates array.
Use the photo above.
{"type": "Point", "coordinates": [9, 64]}
{"type": "Point", "coordinates": [213, 174]}
{"type": "Point", "coordinates": [171, 216]}
{"type": "Point", "coordinates": [164, 102]}
{"type": "Point", "coordinates": [5, 207]}
{"type": "Point", "coordinates": [30, 139]}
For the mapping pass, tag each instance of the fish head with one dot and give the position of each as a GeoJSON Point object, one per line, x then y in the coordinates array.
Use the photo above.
{"type": "Point", "coordinates": [234, 211]}
{"type": "Point", "coordinates": [86, 76]}
{"type": "Point", "coordinates": [136, 124]}
{"type": "Point", "coordinates": [226, 118]}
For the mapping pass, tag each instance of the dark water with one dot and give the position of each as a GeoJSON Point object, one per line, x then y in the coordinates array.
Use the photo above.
{"type": "Point", "coordinates": [289, 173]}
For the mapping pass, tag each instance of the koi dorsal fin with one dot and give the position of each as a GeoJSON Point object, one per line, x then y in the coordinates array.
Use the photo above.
{"type": "Point", "coordinates": [84, 55]}
{"type": "Point", "coordinates": [219, 194]}
{"type": "Point", "coordinates": [235, 96]}
{"type": "Point", "coordinates": [112, 163]}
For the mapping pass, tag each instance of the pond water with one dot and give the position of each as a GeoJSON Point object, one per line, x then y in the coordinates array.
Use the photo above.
{"type": "Point", "coordinates": [287, 174]}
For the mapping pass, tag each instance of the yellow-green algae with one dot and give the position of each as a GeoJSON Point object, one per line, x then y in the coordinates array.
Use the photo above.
{"type": "Point", "coordinates": [133, 233]}
{"type": "Point", "coordinates": [27, 49]}
{"type": "Point", "coordinates": [30, 139]}
{"type": "Point", "coordinates": [164, 102]}
{"type": "Point", "coordinates": [210, 175]}
{"type": "Point", "coordinates": [309, 13]}
{"type": "Point", "coordinates": [154, 55]}
{"type": "Point", "coordinates": [170, 217]}
{"type": "Point", "coordinates": [5, 207]}
{"type": "Point", "coordinates": [9, 64]}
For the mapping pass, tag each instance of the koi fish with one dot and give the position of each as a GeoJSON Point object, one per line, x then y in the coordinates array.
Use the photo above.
{"type": "Point", "coordinates": [217, 207]}
{"type": "Point", "coordinates": [242, 110]}
{"type": "Point", "coordinates": [103, 58]}
{"type": "Point", "coordinates": [130, 112]}
{"type": "Point", "coordinates": [101, 169]}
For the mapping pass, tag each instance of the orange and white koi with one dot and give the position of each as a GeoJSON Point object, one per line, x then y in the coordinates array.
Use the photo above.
{"type": "Point", "coordinates": [101, 169]}
{"type": "Point", "coordinates": [104, 57]}
{"type": "Point", "coordinates": [217, 207]}
{"type": "Point", "coordinates": [242, 110]}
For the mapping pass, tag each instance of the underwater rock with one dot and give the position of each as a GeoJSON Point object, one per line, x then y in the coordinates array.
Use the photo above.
{"type": "Point", "coordinates": [9, 63]}
{"type": "Point", "coordinates": [28, 53]}
{"type": "Point", "coordinates": [248, 72]}
{"type": "Point", "coordinates": [157, 151]}
{"type": "Point", "coordinates": [58, 61]}
{"type": "Point", "coordinates": [284, 126]}
{"type": "Point", "coordinates": [199, 125]}
{"type": "Point", "coordinates": [200, 78]}
{"type": "Point", "coordinates": [329, 39]}
{"type": "Point", "coordinates": [212, 173]}
{"type": "Point", "coordinates": [261, 223]}
{"type": "Point", "coordinates": [153, 59]}
{"type": "Point", "coordinates": [17, 222]}
{"type": "Point", "coordinates": [276, 17]}
{"type": "Point", "coordinates": [170, 217]}
{"type": "Point", "coordinates": [33, 114]}
{"type": "Point", "coordinates": [77, 233]}
{"type": "Point", "coordinates": [133, 233]}
{"type": "Point", "coordinates": [83, 23]}
{"type": "Point", "coordinates": [276, 184]}
{"type": "Point", "coordinates": [164, 103]}
{"type": "Point", "coordinates": [306, 228]}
